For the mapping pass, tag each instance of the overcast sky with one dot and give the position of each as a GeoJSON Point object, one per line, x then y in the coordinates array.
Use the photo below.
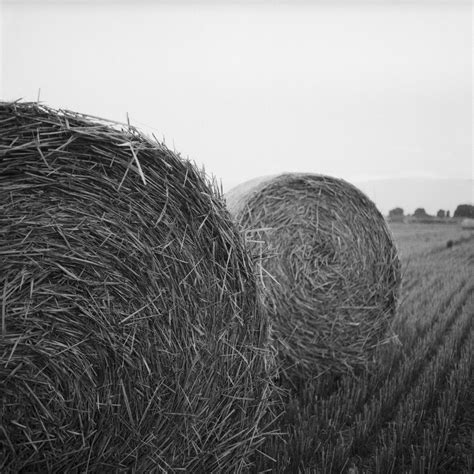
{"type": "Point", "coordinates": [359, 90]}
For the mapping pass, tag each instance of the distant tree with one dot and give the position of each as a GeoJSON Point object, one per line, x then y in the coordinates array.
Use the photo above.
{"type": "Point", "coordinates": [448, 214]}
{"type": "Point", "coordinates": [420, 212]}
{"type": "Point", "coordinates": [464, 210]}
{"type": "Point", "coordinates": [441, 214]}
{"type": "Point", "coordinates": [397, 212]}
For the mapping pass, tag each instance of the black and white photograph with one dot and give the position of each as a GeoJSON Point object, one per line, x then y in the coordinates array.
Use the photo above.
{"type": "Point", "coordinates": [236, 236]}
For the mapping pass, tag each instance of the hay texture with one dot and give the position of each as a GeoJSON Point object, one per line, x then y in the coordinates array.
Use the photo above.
{"type": "Point", "coordinates": [330, 273]}
{"type": "Point", "coordinates": [131, 338]}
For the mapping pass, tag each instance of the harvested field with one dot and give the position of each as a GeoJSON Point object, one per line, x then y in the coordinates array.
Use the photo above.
{"type": "Point", "coordinates": [330, 270]}
{"type": "Point", "coordinates": [131, 334]}
{"type": "Point", "coordinates": [413, 238]}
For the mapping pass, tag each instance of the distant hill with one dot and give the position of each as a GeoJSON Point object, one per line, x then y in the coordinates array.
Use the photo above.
{"type": "Point", "coordinates": [409, 193]}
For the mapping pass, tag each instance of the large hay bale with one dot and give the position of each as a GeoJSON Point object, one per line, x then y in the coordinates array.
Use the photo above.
{"type": "Point", "coordinates": [330, 271]}
{"type": "Point", "coordinates": [467, 223]}
{"type": "Point", "coordinates": [131, 337]}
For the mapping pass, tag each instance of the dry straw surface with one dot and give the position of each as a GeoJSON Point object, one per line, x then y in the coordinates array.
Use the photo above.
{"type": "Point", "coordinates": [330, 273]}
{"type": "Point", "coordinates": [131, 338]}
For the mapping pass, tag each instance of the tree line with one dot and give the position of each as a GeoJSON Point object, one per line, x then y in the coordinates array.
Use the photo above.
{"type": "Point", "coordinates": [462, 210]}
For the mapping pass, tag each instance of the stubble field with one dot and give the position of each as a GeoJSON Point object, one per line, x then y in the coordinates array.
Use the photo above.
{"type": "Point", "coordinates": [413, 411]}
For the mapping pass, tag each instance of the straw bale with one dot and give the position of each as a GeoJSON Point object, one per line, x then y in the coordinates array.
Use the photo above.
{"type": "Point", "coordinates": [330, 273]}
{"type": "Point", "coordinates": [467, 223]}
{"type": "Point", "coordinates": [131, 334]}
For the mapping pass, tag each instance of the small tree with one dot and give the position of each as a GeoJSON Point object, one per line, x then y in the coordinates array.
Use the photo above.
{"type": "Point", "coordinates": [420, 212]}
{"type": "Point", "coordinates": [441, 214]}
{"type": "Point", "coordinates": [464, 210]}
{"type": "Point", "coordinates": [448, 213]}
{"type": "Point", "coordinates": [397, 212]}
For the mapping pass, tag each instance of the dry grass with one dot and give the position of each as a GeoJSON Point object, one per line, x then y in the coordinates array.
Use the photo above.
{"type": "Point", "coordinates": [330, 270]}
{"type": "Point", "coordinates": [131, 336]}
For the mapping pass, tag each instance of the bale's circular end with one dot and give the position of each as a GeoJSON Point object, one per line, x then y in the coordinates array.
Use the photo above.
{"type": "Point", "coordinates": [130, 336]}
{"type": "Point", "coordinates": [330, 270]}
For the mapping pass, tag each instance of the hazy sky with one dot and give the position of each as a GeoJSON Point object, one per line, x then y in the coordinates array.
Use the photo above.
{"type": "Point", "coordinates": [358, 90]}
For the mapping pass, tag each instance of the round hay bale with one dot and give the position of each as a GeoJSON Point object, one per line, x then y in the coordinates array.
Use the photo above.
{"type": "Point", "coordinates": [330, 273]}
{"type": "Point", "coordinates": [131, 337]}
{"type": "Point", "coordinates": [467, 223]}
